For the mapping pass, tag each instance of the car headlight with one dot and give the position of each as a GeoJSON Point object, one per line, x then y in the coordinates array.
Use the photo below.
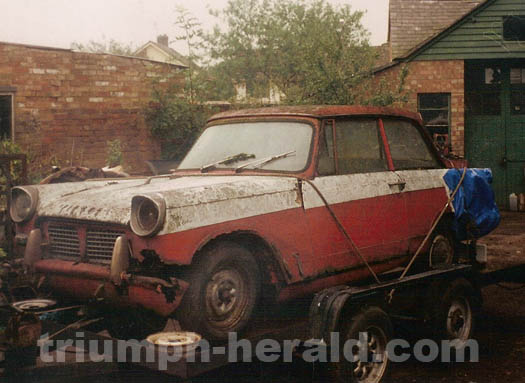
{"type": "Point", "coordinates": [23, 203]}
{"type": "Point", "coordinates": [147, 214]}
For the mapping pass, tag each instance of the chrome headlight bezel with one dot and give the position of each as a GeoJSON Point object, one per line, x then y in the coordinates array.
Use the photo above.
{"type": "Point", "coordinates": [139, 205]}
{"type": "Point", "coordinates": [18, 192]}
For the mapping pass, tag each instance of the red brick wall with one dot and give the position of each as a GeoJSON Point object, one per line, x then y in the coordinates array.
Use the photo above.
{"type": "Point", "coordinates": [69, 104]}
{"type": "Point", "coordinates": [435, 77]}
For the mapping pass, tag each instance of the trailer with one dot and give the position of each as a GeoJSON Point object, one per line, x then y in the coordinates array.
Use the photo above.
{"type": "Point", "coordinates": [446, 300]}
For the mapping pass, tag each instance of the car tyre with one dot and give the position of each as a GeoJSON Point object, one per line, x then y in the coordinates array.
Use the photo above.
{"type": "Point", "coordinates": [224, 286]}
{"type": "Point", "coordinates": [442, 251]}
{"type": "Point", "coordinates": [454, 316]}
{"type": "Point", "coordinates": [376, 324]}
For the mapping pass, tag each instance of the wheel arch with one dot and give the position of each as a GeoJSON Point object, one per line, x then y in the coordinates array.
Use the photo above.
{"type": "Point", "coordinates": [266, 256]}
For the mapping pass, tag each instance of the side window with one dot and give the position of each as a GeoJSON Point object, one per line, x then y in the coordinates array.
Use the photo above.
{"type": "Point", "coordinates": [358, 146]}
{"type": "Point", "coordinates": [435, 110]}
{"type": "Point", "coordinates": [407, 147]}
{"type": "Point", "coordinates": [326, 165]}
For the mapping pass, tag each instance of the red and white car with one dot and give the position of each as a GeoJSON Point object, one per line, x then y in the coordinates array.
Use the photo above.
{"type": "Point", "coordinates": [258, 207]}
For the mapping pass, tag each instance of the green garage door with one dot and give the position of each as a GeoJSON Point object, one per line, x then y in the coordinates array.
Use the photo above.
{"type": "Point", "coordinates": [495, 122]}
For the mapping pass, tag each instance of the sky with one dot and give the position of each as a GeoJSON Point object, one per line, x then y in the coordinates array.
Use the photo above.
{"type": "Point", "coordinates": [58, 23]}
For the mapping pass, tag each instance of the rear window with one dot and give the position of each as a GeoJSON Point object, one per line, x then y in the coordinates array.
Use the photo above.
{"type": "Point", "coordinates": [407, 146]}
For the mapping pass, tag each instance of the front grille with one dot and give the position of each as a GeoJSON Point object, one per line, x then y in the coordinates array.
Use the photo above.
{"type": "Point", "coordinates": [80, 241]}
{"type": "Point", "coordinates": [99, 244]}
{"type": "Point", "coordinates": [64, 241]}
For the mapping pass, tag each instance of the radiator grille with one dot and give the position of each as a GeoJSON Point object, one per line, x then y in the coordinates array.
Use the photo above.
{"type": "Point", "coordinates": [65, 242]}
{"type": "Point", "coordinates": [99, 244]}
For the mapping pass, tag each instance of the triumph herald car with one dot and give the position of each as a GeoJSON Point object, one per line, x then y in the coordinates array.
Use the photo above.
{"type": "Point", "coordinates": [269, 204]}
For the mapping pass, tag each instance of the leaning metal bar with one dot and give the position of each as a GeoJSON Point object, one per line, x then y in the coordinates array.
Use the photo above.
{"type": "Point", "coordinates": [434, 225]}
{"type": "Point", "coordinates": [342, 229]}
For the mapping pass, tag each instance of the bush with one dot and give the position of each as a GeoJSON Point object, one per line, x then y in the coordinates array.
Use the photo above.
{"type": "Point", "coordinates": [114, 152]}
{"type": "Point", "coordinates": [175, 122]}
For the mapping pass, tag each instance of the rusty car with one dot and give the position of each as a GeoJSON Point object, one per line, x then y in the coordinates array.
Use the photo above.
{"type": "Point", "coordinates": [270, 204]}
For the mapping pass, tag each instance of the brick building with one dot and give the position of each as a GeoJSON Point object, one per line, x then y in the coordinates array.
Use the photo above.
{"type": "Point", "coordinates": [64, 106]}
{"type": "Point", "coordinates": [465, 61]}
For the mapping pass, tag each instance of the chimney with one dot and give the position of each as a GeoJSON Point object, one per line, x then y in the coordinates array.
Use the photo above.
{"type": "Point", "coordinates": [163, 40]}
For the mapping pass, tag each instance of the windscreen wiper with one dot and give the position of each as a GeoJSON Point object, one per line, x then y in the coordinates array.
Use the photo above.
{"type": "Point", "coordinates": [228, 160]}
{"type": "Point", "coordinates": [263, 161]}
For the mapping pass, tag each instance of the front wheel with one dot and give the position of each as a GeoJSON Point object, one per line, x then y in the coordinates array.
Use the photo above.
{"type": "Point", "coordinates": [224, 288]}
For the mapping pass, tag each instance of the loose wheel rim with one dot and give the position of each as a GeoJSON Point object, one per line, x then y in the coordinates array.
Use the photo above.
{"type": "Point", "coordinates": [34, 304]}
{"type": "Point", "coordinates": [226, 297]}
{"type": "Point", "coordinates": [441, 251]}
{"type": "Point", "coordinates": [459, 320]}
{"type": "Point", "coordinates": [373, 369]}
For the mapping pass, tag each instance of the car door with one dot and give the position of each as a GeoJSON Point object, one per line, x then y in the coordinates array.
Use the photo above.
{"type": "Point", "coordinates": [421, 173]}
{"type": "Point", "coordinates": [354, 179]}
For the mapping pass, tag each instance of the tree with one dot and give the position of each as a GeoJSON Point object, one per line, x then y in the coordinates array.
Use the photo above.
{"type": "Point", "coordinates": [192, 35]}
{"type": "Point", "coordinates": [111, 46]}
{"type": "Point", "coordinates": [176, 116]}
{"type": "Point", "coordinates": [312, 51]}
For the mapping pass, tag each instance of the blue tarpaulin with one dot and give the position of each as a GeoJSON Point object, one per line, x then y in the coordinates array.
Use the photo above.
{"type": "Point", "coordinates": [475, 210]}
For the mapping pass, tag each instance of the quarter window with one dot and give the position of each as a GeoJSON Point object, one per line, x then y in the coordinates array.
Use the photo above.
{"type": "Point", "coordinates": [407, 146]}
{"type": "Point", "coordinates": [326, 164]}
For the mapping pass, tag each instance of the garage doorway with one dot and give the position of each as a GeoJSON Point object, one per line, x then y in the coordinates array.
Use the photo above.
{"type": "Point", "coordinates": [495, 122]}
{"type": "Point", "coordinates": [6, 116]}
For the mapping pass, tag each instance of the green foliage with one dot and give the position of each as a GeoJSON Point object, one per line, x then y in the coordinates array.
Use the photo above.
{"type": "Point", "coordinates": [175, 121]}
{"type": "Point", "coordinates": [10, 171]}
{"type": "Point", "coordinates": [192, 35]}
{"type": "Point", "coordinates": [176, 116]}
{"type": "Point", "coordinates": [312, 51]}
{"type": "Point", "coordinates": [111, 46]}
{"type": "Point", "coordinates": [386, 92]}
{"type": "Point", "coordinates": [114, 153]}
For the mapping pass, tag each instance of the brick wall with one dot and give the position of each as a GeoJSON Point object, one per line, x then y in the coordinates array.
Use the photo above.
{"type": "Point", "coordinates": [435, 77]}
{"type": "Point", "coordinates": [68, 104]}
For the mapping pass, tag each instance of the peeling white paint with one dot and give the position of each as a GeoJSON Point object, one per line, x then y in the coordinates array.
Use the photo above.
{"type": "Point", "coordinates": [192, 201]}
{"type": "Point", "coordinates": [353, 187]}
{"type": "Point", "coordinates": [197, 201]}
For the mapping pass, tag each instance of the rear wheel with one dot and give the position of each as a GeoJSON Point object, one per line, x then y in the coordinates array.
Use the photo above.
{"type": "Point", "coordinates": [224, 288]}
{"type": "Point", "coordinates": [442, 246]}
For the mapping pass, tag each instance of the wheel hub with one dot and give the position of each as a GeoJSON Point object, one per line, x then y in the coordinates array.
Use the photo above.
{"type": "Point", "coordinates": [441, 251]}
{"type": "Point", "coordinates": [371, 369]}
{"type": "Point", "coordinates": [222, 292]}
{"type": "Point", "coordinates": [459, 320]}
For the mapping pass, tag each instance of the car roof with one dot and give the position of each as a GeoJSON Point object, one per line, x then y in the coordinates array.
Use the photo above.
{"type": "Point", "coordinates": [318, 111]}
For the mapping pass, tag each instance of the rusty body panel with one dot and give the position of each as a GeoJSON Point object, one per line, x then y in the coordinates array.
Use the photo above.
{"type": "Point", "coordinates": [89, 249]}
{"type": "Point", "coordinates": [319, 111]}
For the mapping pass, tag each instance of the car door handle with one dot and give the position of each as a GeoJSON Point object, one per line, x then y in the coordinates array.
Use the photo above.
{"type": "Point", "coordinates": [401, 184]}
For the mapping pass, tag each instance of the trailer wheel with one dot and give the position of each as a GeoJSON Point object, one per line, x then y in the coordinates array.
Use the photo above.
{"type": "Point", "coordinates": [454, 315]}
{"type": "Point", "coordinates": [375, 325]}
{"type": "Point", "coordinates": [224, 288]}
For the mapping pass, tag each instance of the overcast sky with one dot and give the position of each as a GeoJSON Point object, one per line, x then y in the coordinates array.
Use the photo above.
{"type": "Point", "coordinates": [58, 23]}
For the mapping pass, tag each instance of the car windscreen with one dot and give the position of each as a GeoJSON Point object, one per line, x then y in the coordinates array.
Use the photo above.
{"type": "Point", "coordinates": [265, 145]}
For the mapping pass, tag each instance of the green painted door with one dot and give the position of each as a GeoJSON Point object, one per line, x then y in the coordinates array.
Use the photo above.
{"type": "Point", "coordinates": [515, 124]}
{"type": "Point", "coordinates": [495, 122]}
